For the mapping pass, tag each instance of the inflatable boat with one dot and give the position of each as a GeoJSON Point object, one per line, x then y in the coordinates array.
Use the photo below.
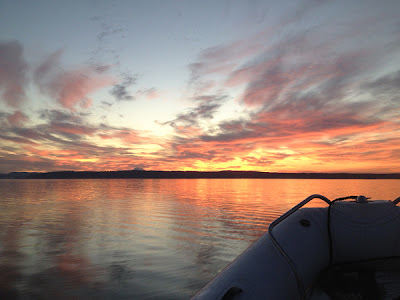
{"type": "Point", "coordinates": [349, 249]}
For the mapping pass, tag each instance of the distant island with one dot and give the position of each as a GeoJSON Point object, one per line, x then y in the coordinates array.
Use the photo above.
{"type": "Point", "coordinates": [139, 173]}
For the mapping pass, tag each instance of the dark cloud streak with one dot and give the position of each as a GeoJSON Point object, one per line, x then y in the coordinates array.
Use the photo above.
{"type": "Point", "coordinates": [207, 106]}
{"type": "Point", "coordinates": [120, 90]}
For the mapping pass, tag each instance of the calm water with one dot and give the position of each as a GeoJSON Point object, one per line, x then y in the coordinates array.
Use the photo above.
{"type": "Point", "coordinates": [141, 238]}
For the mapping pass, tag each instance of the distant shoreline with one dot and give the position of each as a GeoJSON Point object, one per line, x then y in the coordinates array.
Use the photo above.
{"type": "Point", "coordinates": [191, 174]}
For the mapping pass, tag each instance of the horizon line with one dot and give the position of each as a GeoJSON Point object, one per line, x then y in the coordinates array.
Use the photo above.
{"type": "Point", "coordinates": [203, 171]}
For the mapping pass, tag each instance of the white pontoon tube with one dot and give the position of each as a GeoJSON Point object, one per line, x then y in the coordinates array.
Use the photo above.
{"type": "Point", "coordinates": [348, 249]}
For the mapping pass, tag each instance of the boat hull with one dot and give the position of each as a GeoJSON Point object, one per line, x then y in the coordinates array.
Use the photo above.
{"type": "Point", "coordinates": [288, 263]}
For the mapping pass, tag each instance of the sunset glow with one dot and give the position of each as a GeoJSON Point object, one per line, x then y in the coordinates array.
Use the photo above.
{"type": "Point", "coordinates": [308, 86]}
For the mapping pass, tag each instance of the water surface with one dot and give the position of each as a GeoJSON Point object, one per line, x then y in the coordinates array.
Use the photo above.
{"type": "Point", "coordinates": [141, 238]}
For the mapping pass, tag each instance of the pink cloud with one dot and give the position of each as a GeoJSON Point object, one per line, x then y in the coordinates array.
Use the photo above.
{"type": "Point", "coordinates": [152, 93]}
{"type": "Point", "coordinates": [17, 118]}
{"type": "Point", "coordinates": [13, 70]}
{"type": "Point", "coordinates": [70, 88]}
{"type": "Point", "coordinates": [86, 102]}
{"type": "Point", "coordinates": [75, 129]}
{"type": "Point", "coordinates": [47, 66]}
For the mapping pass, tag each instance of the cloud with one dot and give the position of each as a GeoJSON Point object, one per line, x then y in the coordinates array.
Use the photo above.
{"type": "Point", "coordinates": [304, 93]}
{"type": "Point", "coordinates": [387, 85]}
{"type": "Point", "coordinates": [232, 57]}
{"type": "Point", "coordinates": [47, 68]}
{"type": "Point", "coordinates": [106, 104]}
{"type": "Point", "coordinates": [13, 68]}
{"type": "Point", "coordinates": [16, 139]}
{"type": "Point", "coordinates": [150, 93]}
{"type": "Point", "coordinates": [69, 140]}
{"type": "Point", "coordinates": [69, 88]}
{"type": "Point", "coordinates": [60, 116]}
{"type": "Point", "coordinates": [213, 63]}
{"type": "Point", "coordinates": [66, 124]}
{"type": "Point", "coordinates": [17, 118]}
{"type": "Point", "coordinates": [307, 93]}
{"type": "Point", "coordinates": [120, 90]}
{"type": "Point", "coordinates": [98, 68]}
{"type": "Point", "coordinates": [206, 107]}
{"type": "Point", "coordinates": [290, 69]}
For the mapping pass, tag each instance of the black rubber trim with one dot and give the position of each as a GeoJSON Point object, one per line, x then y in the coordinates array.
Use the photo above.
{"type": "Point", "coordinates": [232, 292]}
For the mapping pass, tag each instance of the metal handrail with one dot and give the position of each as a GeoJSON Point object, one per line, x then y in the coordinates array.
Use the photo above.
{"type": "Point", "coordinates": [299, 281]}
{"type": "Point", "coordinates": [295, 208]}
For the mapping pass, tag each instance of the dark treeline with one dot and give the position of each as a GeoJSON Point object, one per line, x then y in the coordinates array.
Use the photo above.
{"type": "Point", "coordinates": [191, 174]}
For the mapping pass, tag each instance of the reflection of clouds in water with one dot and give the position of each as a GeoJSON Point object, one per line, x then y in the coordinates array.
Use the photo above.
{"type": "Point", "coordinates": [41, 253]}
{"type": "Point", "coordinates": [133, 239]}
{"type": "Point", "coordinates": [206, 258]}
{"type": "Point", "coordinates": [10, 254]}
{"type": "Point", "coordinates": [119, 273]}
{"type": "Point", "coordinates": [9, 276]}
{"type": "Point", "coordinates": [53, 243]}
{"type": "Point", "coordinates": [69, 277]}
{"type": "Point", "coordinates": [60, 283]}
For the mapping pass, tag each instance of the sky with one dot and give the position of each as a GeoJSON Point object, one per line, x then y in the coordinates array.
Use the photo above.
{"type": "Point", "coordinates": [273, 86]}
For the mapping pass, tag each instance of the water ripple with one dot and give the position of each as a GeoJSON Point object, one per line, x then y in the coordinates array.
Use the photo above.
{"type": "Point", "coordinates": [143, 239]}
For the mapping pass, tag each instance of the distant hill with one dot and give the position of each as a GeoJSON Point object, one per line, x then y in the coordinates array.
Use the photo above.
{"type": "Point", "coordinates": [139, 173]}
